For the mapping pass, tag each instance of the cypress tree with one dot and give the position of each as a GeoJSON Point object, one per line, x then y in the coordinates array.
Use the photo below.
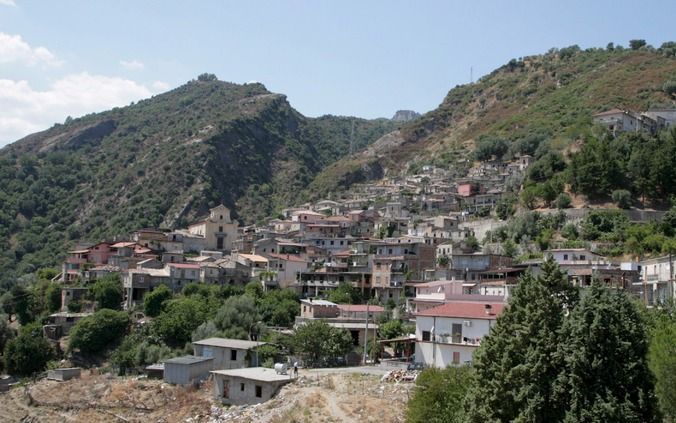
{"type": "Point", "coordinates": [606, 375]}
{"type": "Point", "coordinates": [516, 365]}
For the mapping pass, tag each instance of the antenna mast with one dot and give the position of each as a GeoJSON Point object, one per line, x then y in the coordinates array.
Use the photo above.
{"type": "Point", "coordinates": [352, 138]}
{"type": "Point", "coordinates": [471, 75]}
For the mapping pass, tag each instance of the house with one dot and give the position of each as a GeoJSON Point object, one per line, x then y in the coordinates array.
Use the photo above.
{"type": "Point", "coordinates": [227, 353]}
{"type": "Point", "coordinates": [617, 120]}
{"type": "Point", "coordinates": [59, 324]}
{"type": "Point", "coordinates": [657, 280]}
{"type": "Point", "coordinates": [318, 309]}
{"type": "Point", "coordinates": [69, 294]}
{"type": "Point", "coordinates": [218, 229]}
{"type": "Point", "coordinates": [187, 370]}
{"type": "Point", "coordinates": [450, 333]}
{"type": "Point", "coordinates": [138, 282]}
{"type": "Point", "coordinates": [434, 293]}
{"type": "Point", "coordinates": [251, 385]}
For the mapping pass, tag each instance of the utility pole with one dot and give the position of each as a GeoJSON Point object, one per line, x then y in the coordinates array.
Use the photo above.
{"type": "Point", "coordinates": [366, 333]}
{"type": "Point", "coordinates": [471, 75]}
{"type": "Point", "coordinates": [352, 138]}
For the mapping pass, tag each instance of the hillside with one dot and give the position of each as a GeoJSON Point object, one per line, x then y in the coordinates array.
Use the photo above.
{"type": "Point", "coordinates": [552, 96]}
{"type": "Point", "coordinates": [160, 163]}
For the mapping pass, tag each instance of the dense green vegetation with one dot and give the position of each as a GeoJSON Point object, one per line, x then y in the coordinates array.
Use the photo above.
{"type": "Point", "coordinates": [27, 353]}
{"type": "Point", "coordinates": [160, 163]}
{"type": "Point", "coordinates": [438, 395]}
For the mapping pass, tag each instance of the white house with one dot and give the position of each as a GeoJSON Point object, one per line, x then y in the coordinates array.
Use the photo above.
{"type": "Point", "coordinates": [450, 333]}
{"type": "Point", "coordinates": [657, 277]}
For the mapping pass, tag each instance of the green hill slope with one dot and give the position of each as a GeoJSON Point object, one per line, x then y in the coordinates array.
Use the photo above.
{"type": "Point", "coordinates": [160, 163]}
{"type": "Point", "coordinates": [553, 95]}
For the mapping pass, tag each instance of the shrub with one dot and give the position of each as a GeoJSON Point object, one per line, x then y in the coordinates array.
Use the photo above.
{"type": "Point", "coordinates": [28, 353]}
{"type": "Point", "coordinates": [562, 201]}
{"type": "Point", "coordinates": [94, 333]}
{"type": "Point", "coordinates": [622, 198]}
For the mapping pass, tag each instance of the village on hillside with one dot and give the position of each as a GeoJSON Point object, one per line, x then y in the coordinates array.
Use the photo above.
{"type": "Point", "coordinates": [418, 246]}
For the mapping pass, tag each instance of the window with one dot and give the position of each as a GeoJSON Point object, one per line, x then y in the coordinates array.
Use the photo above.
{"type": "Point", "coordinates": [220, 229]}
{"type": "Point", "coordinates": [241, 387]}
{"type": "Point", "coordinates": [426, 335]}
{"type": "Point", "coordinates": [233, 355]}
{"type": "Point", "coordinates": [583, 257]}
{"type": "Point", "coordinates": [331, 242]}
{"type": "Point", "coordinates": [565, 256]}
{"type": "Point", "coordinates": [456, 332]}
{"type": "Point", "coordinates": [259, 391]}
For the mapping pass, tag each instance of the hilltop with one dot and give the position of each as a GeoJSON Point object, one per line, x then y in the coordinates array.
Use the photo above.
{"type": "Point", "coordinates": [552, 96]}
{"type": "Point", "coordinates": [162, 162]}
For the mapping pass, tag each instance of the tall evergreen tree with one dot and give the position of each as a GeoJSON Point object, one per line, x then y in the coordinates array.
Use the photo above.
{"type": "Point", "coordinates": [516, 366]}
{"type": "Point", "coordinates": [606, 376]}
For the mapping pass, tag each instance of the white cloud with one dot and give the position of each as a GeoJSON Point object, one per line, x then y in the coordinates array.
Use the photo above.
{"type": "Point", "coordinates": [26, 110]}
{"type": "Point", "coordinates": [13, 49]}
{"type": "Point", "coordinates": [7, 3]}
{"type": "Point", "coordinates": [132, 64]}
{"type": "Point", "coordinates": [160, 86]}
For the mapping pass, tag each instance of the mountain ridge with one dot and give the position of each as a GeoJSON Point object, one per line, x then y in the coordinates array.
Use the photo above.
{"type": "Point", "coordinates": [161, 162]}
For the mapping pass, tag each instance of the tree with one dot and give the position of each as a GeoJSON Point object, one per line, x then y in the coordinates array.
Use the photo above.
{"type": "Point", "coordinates": [605, 375]}
{"type": "Point", "coordinates": [345, 293]}
{"type": "Point", "coordinates": [179, 319]}
{"type": "Point", "coordinates": [94, 333]}
{"type": "Point", "coordinates": [636, 44]}
{"type": "Point", "coordinates": [662, 360]}
{"type": "Point", "coordinates": [669, 87]}
{"type": "Point", "coordinates": [28, 353]}
{"type": "Point", "coordinates": [438, 395]}
{"type": "Point", "coordinates": [509, 248]}
{"type": "Point", "coordinates": [108, 292]}
{"type": "Point", "coordinates": [320, 343]}
{"type": "Point", "coordinates": [237, 318]}
{"type": "Point", "coordinates": [562, 201]}
{"type": "Point", "coordinates": [155, 300]}
{"type": "Point", "coordinates": [472, 243]}
{"type": "Point", "coordinates": [514, 366]}
{"type": "Point", "coordinates": [487, 147]}
{"type": "Point", "coordinates": [53, 297]}
{"type": "Point", "coordinates": [279, 307]}
{"type": "Point", "coordinates": [622, 198]}
{"type": "Point", "coordinates": [6, 332]}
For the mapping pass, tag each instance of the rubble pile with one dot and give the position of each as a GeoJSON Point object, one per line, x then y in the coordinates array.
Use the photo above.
{"type": "Point", "coordinates": [402, 375]}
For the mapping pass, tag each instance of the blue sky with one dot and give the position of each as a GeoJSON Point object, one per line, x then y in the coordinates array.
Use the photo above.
{"type": "Point", "coordinates": [363, 58]}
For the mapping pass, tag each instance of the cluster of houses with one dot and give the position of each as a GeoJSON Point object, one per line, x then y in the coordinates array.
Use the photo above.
{"type": "Point", "coordinates": [403, 241]}
{"type": "Point", "coordinates": [651, 121]}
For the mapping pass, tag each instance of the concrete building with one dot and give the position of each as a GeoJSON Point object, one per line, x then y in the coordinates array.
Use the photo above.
{"type": "Point", "coordinates": [657, 279]}
{"type": "Point", "coordinates": [227, 353]}
{"type": "Point", "coordinates": [318, 309]}
{"type": "Point", "coordinates": [63, 374]}
{"type": "Point", "coordinates": [449, 334]}
{"type": "Point", "coordinates": [252, 385]}
{"type": "Point", "coordinates": [187, 370]}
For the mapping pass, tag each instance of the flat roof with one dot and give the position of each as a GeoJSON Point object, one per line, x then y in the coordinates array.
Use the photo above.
{"type": "Point", "coordinates": [238, 344]}
{"type": "Point", "coordinates": [350, 325]}
{"type": "Point", "coordinates": [187, 359]}
{"type": "Point", "coordinates": [260, 374]}
{"type": "Point", "coordinates": [318, 302]}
